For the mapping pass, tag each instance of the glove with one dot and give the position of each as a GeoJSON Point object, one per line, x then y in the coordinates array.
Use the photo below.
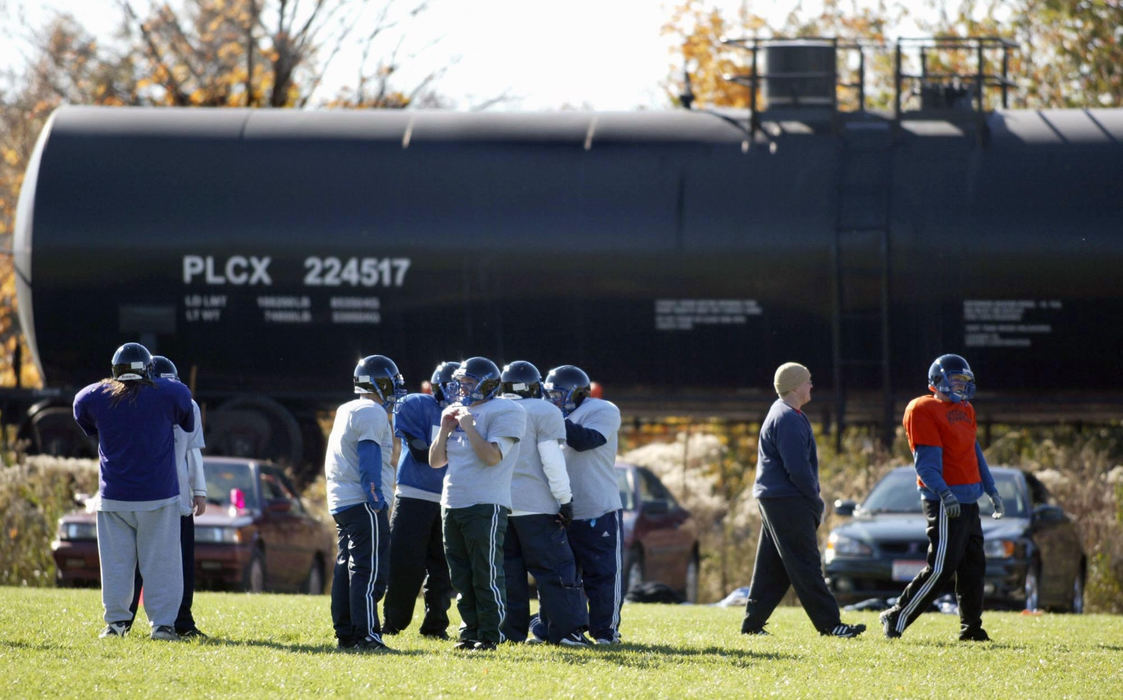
{"type": "Point", "coordinates": [565, 514]}
{"type": "Point", "coordinates": [999, 506]}
{"type": "Point", "coordinates": [951, 505]}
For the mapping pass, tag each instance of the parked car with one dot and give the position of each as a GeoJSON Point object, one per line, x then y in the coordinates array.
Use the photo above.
{"type": "Point", "coordinates": [660, 539]}
{"type": "Point", "coordinates": [1034, 557]}
{"type": "Point", "coordinates": [255, 535]}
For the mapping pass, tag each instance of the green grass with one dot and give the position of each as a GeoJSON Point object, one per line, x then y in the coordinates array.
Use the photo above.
{"type": "Point", "coordinates": [282, 646]}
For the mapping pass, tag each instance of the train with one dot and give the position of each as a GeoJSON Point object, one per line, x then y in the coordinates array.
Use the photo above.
{"type": "Point", "coordinates": [678, 256]}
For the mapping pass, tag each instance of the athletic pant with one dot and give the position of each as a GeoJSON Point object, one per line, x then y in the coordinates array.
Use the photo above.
{"type": "Point", "coordinates": [596, 547]}
{"type": "Point", "coordinates": [417, 561]}
{"type": "Point", "coordinates": [537, 544]}
{"type": "Point", "coordinates": [473, 539]}
{"type": "Point", "coordinates": [184, 621]}
{"type": "Point", "coordinates": [360, 572]}
{"type": "Point", "coordinates": [955, 548]}
{"type": "Point", "coordinates": [146, 538]}
{"type": "Point", "coordinates": [788, 555]}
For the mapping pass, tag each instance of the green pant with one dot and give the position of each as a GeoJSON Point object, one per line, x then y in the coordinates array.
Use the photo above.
{"type": "Point", "coordinates": [473, 540]}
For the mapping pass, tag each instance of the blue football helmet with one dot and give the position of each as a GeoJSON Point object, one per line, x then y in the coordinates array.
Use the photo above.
{"type": "Point", "coordinates": [378, 375]}
{"type": "Point", "coordinates": [441, 383]}
{"type": "Point", "coordinates": [952, 376]}
{"type": "Point", "coordinates": [131, 362]}
{"type": "Point", "coordinates": [522, 378]}
{"type": "Point", "coordinates": [487, 377]}
{"type": "Point", "coordinates": [164, 368]}
{"type": "Point", "coordinates": [566, 387]}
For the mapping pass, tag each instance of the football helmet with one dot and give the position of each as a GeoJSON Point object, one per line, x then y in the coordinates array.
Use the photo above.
{"type": "Point", "coordinates": [522, 378]}
{"type": "Point", "coordinates": [952, 376]}
{"type": "Point", "coordinates": [164, 368]}
{"type": "Point", "coordinates": [487, 377]}
{"type": "Point", "coordinates": [378, 375]}
{"type": "Point", "coordinates": [441, 383]}
{"type": "Point", "coordinates": [131, 362]}
{"type": "Point", "coordinates": [566, 387]}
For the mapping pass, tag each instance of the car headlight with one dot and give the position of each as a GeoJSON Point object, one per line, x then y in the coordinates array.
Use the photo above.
{"type": "Point", "coordinates": [999, 549]}
{"type": "Point", "coordinates": [78, 531]}
{"type": "Point", "coordinates": [218, 535]}
{"type": "Point", "coordinates": [843, 546]}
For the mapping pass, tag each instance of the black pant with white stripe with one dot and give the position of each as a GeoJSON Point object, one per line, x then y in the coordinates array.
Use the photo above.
{"type": "Point", "coordinates": [955, 548]}
{"type": "Point", "coordinates": [360, 572]}
{"type": "Point", "coordinates": [537, 544]}
{"type": "Point", "coordinates": [596, 544]}
{"type": "Point", "coordinates": [417, 561]}
{"type": "Point", "coordinates": [473, 539]}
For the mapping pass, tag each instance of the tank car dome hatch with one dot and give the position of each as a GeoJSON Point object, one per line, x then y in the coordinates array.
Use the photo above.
{"type": "Point", "coordinates": [799, 73]}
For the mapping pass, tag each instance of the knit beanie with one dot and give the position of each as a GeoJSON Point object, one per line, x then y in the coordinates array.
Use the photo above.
{"type": "Point", "coordinates": [790, 375]}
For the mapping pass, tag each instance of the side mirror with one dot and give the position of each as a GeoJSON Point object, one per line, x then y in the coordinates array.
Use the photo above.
{"type": "Point", "coordinates": [1048, 514]}
{"type": "Point", "coordinates": [844, 507]}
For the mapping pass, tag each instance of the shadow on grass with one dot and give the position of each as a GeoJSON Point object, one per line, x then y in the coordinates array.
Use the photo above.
{"type": "Point", "coordinates": [655, 655]}
{"type": "Point", "coordinates": [956, 644]}
{"type": "Point", "coordinates": [307, 648]}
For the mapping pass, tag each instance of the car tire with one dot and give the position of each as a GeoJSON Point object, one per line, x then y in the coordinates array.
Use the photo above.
{"type": "Point", "coordinates": [633, 570]}
{"type": "Point", "coordinates": [1076, 606]}
{"type": "Point", "coordinates": [253, 581]}
{"type": "Point", "coordinates": [314, 581]}
{"type": "Point", "coordinates": [690, 592]}
{"type": "Point", "coordinates": [1032, 586]}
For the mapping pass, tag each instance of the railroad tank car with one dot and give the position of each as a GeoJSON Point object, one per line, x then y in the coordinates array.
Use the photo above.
{"type": "Point", "coordinates": [677, 256]}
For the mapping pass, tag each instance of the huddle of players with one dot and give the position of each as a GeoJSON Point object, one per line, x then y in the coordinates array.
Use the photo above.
{"type": "Point", "coordinates": [500, 474]}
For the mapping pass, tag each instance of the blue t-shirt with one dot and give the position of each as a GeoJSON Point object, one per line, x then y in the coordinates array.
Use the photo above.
{"type": "Point", "coordinates": [136, 444]}
{"type": "Point", "coordinates": [418, 416]}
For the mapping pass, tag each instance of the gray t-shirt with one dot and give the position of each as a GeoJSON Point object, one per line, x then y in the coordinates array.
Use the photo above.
{"type": "Point", "coordinates": [469, 481]}
{"type": "Point", "coordinates": [592, 473]}
{"type": "Point", "coordinates": [361, 419]}
{"type": "Point", "coordinates": [530, 489]}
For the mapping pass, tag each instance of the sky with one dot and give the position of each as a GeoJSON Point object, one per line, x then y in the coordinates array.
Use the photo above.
{"type": "Point", "coordinates": [585, 54]}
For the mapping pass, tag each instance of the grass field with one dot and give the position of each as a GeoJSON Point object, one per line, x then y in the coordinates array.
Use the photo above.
{"type": "Point", "coordinates": [282, 646]}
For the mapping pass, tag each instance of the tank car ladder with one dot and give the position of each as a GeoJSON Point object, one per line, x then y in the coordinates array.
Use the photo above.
{"type": "Point", "coordinates": [860, 315]}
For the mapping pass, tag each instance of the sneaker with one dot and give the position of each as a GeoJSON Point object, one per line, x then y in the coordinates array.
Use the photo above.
{"type": "Point", "coordinates": [371, 644]}
{"type": "Point", "coordinates": [605, 641]}
{"type": "Point", "coordinates": [844, 630]}
{"type": "Point", "coordinates": [345, 643]}
{"type": "Point", "coordinates": [164, 633]}
{"type": "Point", "coordinates": [484, 646]}
{"type": "Point", "coordinates": [575, 639]}
{"type": "Point", "coordinates": [390, 630]}
{"type": "Point", "coordinates": [439, 634]}
{"type": "Point", "coordinates": [193, 633]}
{"type": "Point", "coordinates": [465, 644]}
{"type": "Point", "coordinates": [888, 621]}
{"type": "Point", "coordinates": [978, 634]}
{"type": "Point", "coordinates": [757, 632]}
{"type": "Point", "coordinates": [114, 629]}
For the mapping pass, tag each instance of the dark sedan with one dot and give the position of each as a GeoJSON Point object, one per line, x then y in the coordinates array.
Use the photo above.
{"type": "Point", "coordinates": [255, 535]}
{"type": "Point", "coordinates": [1034, 557]}
{"type": "Point", "coordinates": [660, 539]}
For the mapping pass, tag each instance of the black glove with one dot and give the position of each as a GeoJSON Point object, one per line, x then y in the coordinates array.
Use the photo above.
{"type": "Point", "coordinates": [565, 514]}
{"type": "Point", "coordinates": [951, 504]}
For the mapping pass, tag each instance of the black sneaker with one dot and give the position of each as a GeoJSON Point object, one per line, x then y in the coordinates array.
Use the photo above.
{"type": "Point", "coordinates": [977, 634]}
{"type": "Point", "coordinates": [888, 621]}
{"type": "Point", "coordinates": [576, 639]}
{"type": "Point", "coordinates": [439, 634]}
{"type": "Point", "coordinates": [465, 644]}
{"type": "Point", "coordinates": [484, 646]}
{"type": "Point", "coordinates": [344, 643]}
{"type": "Point", "coordinates": [371, 644]}
{"type": "Point", "coordinates": [844, 630]}
{"type": "Point", "coordinates": [757, 632]}
{"type": "Point", "coordinates": [193, 633]}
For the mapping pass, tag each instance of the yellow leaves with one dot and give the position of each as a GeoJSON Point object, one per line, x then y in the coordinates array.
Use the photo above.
{"type": "Point", "coordinates": [11, 157]}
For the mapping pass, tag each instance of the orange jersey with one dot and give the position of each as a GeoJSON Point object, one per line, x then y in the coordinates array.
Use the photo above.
{"type": "Point", "coordinates": [949, 426]}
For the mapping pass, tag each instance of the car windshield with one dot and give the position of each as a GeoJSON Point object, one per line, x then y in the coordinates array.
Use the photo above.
{"type": "Point", "coordinates": [227, 483]}
{"type": "Point", "coordinates": [896, 493]}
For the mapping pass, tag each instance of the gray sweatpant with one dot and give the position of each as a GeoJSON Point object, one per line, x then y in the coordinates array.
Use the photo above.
{"type": "Point", "coordinates": [150, 538]}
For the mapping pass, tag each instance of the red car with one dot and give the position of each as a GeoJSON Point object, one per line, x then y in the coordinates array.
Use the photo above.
{"type": "Point", "coordinates": [256, 535]}
{"type": "Point", "coordinates": [660, 538]}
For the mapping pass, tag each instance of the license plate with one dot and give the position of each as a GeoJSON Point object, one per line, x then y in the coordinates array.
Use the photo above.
{"type": "Point", "coordinates": [907, 569]}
